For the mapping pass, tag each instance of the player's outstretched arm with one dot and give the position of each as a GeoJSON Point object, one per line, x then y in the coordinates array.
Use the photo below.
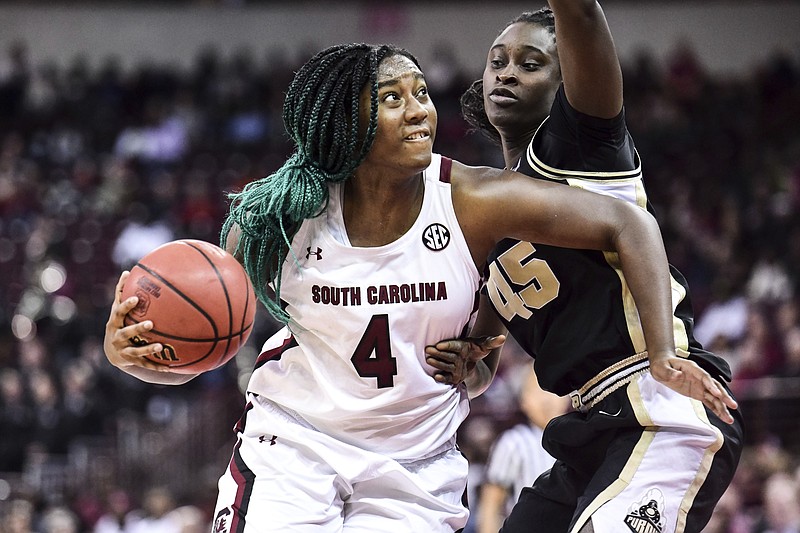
{"type": "Point", "coordinates": [589, 63]}
{"type": "Point", "coordinates": [127, 357]}
{"type": "Point", "coordinates": [511, 205]}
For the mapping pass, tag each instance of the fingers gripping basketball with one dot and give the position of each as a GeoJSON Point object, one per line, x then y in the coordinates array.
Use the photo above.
{"type": "Point", "coordinates": [200, 301]}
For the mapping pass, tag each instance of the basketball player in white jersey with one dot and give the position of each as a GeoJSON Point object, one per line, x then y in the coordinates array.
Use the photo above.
{"type": "Point", "coordinates": [370, 247]}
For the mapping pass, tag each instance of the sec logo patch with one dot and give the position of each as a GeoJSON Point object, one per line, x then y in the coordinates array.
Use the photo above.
{"type": "Point", "coordinates": [436, 237]}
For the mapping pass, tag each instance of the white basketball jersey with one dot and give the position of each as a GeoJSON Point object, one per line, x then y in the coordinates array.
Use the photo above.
{"type": "Point", "coordinates": [351, 361]}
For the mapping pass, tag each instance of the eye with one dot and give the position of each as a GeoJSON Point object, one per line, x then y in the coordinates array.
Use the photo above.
{"type": "Point", "coordinates": [422, 93]}
{"type": "Point", "coordinates": [497, 63]}
{"type": "Point", "coordinates": [529, 65]}
{"type": "Point", "coordinates": [390, 97]}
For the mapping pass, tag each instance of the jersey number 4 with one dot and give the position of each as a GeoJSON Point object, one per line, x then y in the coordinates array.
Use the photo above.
{"type": "Point", "coordinates": [383, 365]}
{"type": "Point", "coordinates": [535, 275]}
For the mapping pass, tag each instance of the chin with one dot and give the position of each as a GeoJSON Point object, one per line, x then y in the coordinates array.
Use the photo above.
{"type": "Point", "coordinates": [421, 162]}
{"type": "Point", "coordinates": [501, 116]}
{"type": "Point", "coordinates": [510, 121]}
{"type": "Point", "coordinates": [425, 161]}
{"type": "Point", "coordinates": [423, 151]}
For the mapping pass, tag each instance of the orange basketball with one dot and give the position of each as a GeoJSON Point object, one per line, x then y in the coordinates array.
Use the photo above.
{"type": "Point", "coordinates": [200, 300]}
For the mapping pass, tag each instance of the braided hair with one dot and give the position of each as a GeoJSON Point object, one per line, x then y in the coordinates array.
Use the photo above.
{"type": "Point", "coordinates": [472, 107]}
{"type": "Point", "coordinates": [321, 116]}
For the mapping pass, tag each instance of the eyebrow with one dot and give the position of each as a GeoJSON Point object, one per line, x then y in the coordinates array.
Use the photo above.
{"type": "Point", "coordinates": [527, 47]}
{"type": "Point", "coordinates": [395, 81]}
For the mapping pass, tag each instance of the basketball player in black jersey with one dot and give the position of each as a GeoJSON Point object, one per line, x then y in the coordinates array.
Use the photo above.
{"type": "Point", "coordinates": [640, 451]}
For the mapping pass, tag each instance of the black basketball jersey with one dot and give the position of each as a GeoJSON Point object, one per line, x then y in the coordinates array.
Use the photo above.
{"type": "Point", "coordinates": [571, 309]}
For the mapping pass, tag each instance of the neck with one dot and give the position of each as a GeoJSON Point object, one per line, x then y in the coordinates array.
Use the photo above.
{"type": "Point", "coordinates": [513, 153]}
{"type": "Point", "coordinates": [377, 212]}
{"type": "Point", "coordinates": [514, 147]}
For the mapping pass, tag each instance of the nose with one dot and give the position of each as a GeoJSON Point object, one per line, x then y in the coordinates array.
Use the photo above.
{"type": "Point", "coordinates": [415, 111]}
{"type": "Point", "coordinates": [507, 75]}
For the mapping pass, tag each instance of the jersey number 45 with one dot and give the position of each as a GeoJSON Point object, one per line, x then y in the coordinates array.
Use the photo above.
{"type": "Point", "coordinates": [538, 282]}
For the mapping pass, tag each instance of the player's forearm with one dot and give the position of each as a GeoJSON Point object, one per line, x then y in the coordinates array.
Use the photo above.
{"type": "Point", "coordinates": [487, 324]}
{"type": "Point", "coordinates": [481, 377]}
{"type": "Point", "coordinates": [644, 264]}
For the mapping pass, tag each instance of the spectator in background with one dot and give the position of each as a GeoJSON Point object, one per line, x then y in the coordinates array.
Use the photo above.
{"type": "Point", "coordinates": [59, 519]}
{"type": "Point", "coordinates": [157, 505]}
{"type": "Point", "coordinates": [83, 409]}
{"type": "Point", "coordinates": [769, 280]}
{"type": "Point", "coordinates": [143, 232]}
{"type": "Point", "coordinates": [758, 465]}
{"type": "Point", "coordinates": [119, 516]}
{"type": "Point", "coordinates": [162, 137]}
{"type": "Point", "coordinates": [728, 516]}
{"type": "Point", "coordinates": [760, 351]}
{"type": "Point", "coordinates": [726, 316]}
{"type": "Point", "coordinates": [781, 505]}
{"type": "Point", "coordinates": [49, 435]}
{"type": "Point", "coordinates": [517, 457]}
{"type": "Point", "coordinates": [19, 517]}
{"type": "Point", "coordinates": [16, 421]}
{"type": "Point", "coordinates": [189, 519]}
{"type": "Point", "coordinates": [14, 79]}
{"type": "Point", "coordinates": [791, 348]}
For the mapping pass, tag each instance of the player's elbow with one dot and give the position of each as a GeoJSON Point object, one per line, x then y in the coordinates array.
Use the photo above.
{"type": "Point", "coordinates": [635, 224]}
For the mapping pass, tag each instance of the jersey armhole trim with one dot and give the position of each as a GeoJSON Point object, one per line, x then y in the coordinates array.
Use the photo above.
{"type": "Point", "coordinates": [444, 169]}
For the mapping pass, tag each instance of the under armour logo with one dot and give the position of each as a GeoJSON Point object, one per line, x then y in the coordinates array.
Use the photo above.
{"type": "Point", "coordinates": [317, 254]}
{"type": "Point", "coordinates": [263, 438]}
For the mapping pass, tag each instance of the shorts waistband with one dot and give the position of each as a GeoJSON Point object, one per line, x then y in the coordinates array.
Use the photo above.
{"type": "Point", "coordinates": [612, 378]}
{"type": "Point", "coordinates": [290, 416]}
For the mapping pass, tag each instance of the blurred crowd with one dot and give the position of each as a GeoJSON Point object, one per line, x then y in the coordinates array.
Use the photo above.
{"type": "Point", "coordinates": [99, 165]}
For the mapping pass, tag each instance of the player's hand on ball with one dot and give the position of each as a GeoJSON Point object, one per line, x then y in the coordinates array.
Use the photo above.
{"type": "Point", "coordinates": [455, 359]}
{"type": "Point", "coordinates": [119, 349]}
{"type": "Point", "coordinates": [688, 378]}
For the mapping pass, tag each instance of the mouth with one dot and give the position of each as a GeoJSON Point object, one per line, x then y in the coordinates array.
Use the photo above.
{"type": "Point", "coordinates": [502, 96]}
{"type": "Point", "coordinates": [419, 135]}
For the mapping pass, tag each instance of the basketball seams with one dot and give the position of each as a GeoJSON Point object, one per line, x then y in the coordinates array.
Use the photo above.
{"type": "Point", "coordinates": [197, 287]}
{"type": "Point", "coordinates": [224, 287]}
{"type": "Point", "coordinates": [180, 293]}
{"type": "Point", "coordinates": [243, 328]}
{"type": "Point", "coordinates": [215, 341]}
{"type": "Point", "coordinates": [200, 340]}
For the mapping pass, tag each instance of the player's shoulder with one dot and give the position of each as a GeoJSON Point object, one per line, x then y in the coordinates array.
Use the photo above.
{"type": "Point", "coordinates": [470, 173]}
{"type": "Point", "coordinates": [555, 155]}
{"type": "Point", "coordinates": [476, 182]}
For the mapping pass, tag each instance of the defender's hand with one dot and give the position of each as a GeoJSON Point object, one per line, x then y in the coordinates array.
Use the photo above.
{"type": "Point", "coordinates": [688, 378]}
{"type": "Point", "coordinates": [454, 359]}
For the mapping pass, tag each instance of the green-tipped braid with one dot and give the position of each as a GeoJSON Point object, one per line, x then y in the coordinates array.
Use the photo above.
{"type": "Point", "coordinates": [320, 114]}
